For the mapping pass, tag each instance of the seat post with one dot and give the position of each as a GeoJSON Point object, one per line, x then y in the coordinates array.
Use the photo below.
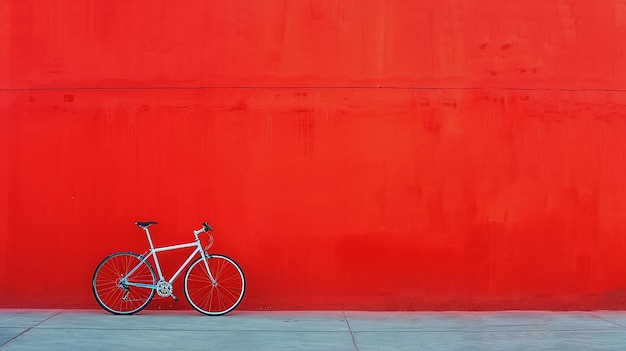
{"type": "Point", "coordinates": [149, 237]}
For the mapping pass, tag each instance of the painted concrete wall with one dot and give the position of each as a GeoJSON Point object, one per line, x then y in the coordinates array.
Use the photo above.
{"type": "Point", "coordinates": [436, 154]}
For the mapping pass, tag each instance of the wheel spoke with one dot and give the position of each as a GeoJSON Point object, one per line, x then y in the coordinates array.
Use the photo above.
{"type": "Point", "coordinates": [108, 291]}
{"type": "Point", "coordinates": [221, 297]}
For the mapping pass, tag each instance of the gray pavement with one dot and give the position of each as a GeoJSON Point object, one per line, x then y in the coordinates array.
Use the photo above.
{"type": "Point", "coordinates": [319, 330]}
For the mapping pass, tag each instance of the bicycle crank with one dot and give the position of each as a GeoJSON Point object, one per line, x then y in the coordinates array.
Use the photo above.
{"type": "Point", "coordinates": [164, 289]}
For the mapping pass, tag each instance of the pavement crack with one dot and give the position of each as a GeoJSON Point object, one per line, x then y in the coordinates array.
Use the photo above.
{"type": "Point", "coordinates": [28, 329]}
{"type": "Point", "coordinates": [607, 320]}
{"type": "Point", "coordinates": [356, 347]}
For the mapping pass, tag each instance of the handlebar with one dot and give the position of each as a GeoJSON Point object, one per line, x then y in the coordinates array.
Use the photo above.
{"type": "Point", "coordinates": [205, 229]}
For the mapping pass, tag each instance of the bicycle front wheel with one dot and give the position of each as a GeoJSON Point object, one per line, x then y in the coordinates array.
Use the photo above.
{"type": "Point", "coordinates": [115, 296]}
{"type": "Point", "coordinates": [214, 297]}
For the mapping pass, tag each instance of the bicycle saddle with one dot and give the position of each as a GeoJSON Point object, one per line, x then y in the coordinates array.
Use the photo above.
{"type": "Point", "coordinates": [145, 224]}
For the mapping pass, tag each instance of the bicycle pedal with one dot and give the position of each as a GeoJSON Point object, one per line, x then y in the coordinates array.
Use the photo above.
{"type": "Point", "coordinates": [174, 297]}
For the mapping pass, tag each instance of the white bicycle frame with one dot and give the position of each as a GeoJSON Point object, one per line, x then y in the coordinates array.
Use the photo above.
{"type": "Point", "coordinates": [153, 252]}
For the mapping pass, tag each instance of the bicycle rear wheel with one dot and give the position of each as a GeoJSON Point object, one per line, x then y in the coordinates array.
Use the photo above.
{"type": "Point", "coordinates": [119, 298]}
{"type": "Point", "coordinates": [216, 298]}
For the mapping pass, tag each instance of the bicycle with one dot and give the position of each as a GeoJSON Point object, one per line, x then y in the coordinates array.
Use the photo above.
{"type": "Point", "coordinates": [125, 282]}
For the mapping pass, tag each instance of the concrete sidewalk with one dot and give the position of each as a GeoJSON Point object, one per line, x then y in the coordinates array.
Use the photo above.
{"type": "Point", "coordinates": [321, 330]}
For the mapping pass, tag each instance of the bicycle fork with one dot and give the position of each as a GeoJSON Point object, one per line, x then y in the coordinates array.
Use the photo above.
{"type": "Point", "coordinates": [205, 259]}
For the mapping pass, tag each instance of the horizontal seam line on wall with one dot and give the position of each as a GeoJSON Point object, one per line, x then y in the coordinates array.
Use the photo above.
{"type": "Point", "coordinates": [312, 88]}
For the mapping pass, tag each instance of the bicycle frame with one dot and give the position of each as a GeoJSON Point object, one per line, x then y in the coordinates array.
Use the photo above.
{"type": "Point", "coordinates": [153, 253]}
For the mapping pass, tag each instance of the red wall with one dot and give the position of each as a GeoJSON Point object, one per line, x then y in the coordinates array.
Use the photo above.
{"type": "Point", "coordinates": [439, 154]}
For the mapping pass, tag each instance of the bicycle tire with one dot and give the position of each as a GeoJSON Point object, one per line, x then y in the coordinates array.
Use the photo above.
{"type": "Point", "coordinates": [108, 291]}
{"type": "Point", "coordinates": [214, 299]}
